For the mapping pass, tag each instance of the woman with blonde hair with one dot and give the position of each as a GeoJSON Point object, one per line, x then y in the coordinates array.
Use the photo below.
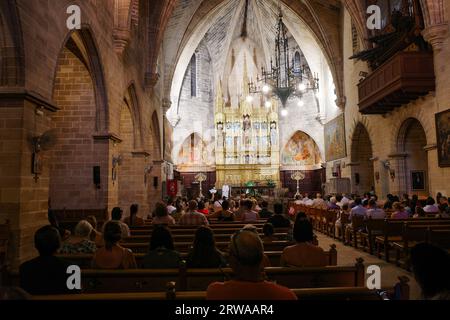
{"type": "Point", "coordinates": [80, 241]}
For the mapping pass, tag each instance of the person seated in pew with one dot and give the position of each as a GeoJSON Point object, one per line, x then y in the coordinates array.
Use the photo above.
{"type": "Point", "coordinates": [400, 212]}
{"type": "Point", "coordinates": [170, 206]}
{"type": "Point", "coordinates": [374, 211]}
{"type": "Point", "coordinates": [430, 265]}
{"type": "Point", "coordinates": [116, 215]}
{"type": "Point", "coordinates": [248, 214]}
{"type": "Point", "coordinates": [265, 213]}
{"type": "Point", "coordinates": [278, 219]}
{"type": "Point", "coordinates": [431, 207]}
{"type": "Point", "coordinates": [113, 255]}
{"type": "Point", "coordinates": [162, 252]}
{"type": "Point", "coordinates": [192, 217]}
{"type": "Point", "coordinates": [419, 213]}
{"type": "Point", "coordinates": [203, 253]}
{"type": "Point", "coordinates": [225, 214]}
{"type": "Point", "coordinates": [45, 274]}
{"type": "Point", "coordinates": [80, 241]}
{"type": "Point", "coordinates": [304, 253]}
{"type": "Point", "coordinates": [133, 219]}
{"type": "Point", "coordinates": [95, 235]}
{"type": "Point", "coordinates": [202, 208]}
{"type": "Point", "coordinates": [246, 260]}
{"type": "Point", "coordinates": [161, 216]}
{"type": "Point", "coordinates": [268, 231]}
{"type": "Point", "coordinates": [250, 227]}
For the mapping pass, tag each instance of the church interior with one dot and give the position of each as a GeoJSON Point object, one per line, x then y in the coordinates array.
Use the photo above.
{"type": "Point", "coordinates": [320, 128]}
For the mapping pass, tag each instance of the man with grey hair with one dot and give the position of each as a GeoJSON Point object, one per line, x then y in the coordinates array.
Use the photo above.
{"type": "Point", "coordinates": [246, 260]}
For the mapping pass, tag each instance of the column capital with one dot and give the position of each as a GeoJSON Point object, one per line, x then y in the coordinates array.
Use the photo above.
{"type": "Point", "coordinates": [436, 35]}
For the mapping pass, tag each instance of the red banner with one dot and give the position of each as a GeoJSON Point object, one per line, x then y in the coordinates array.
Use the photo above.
{"type": "Point", "coordinates": [172, 188]}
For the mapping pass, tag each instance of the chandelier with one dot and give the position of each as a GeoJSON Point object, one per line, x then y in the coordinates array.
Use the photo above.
{"type": "Point", "coordinates": [287, 77]}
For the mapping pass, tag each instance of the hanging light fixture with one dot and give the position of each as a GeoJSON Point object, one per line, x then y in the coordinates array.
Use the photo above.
{"type": "Point", "coordinates": [285, 78]}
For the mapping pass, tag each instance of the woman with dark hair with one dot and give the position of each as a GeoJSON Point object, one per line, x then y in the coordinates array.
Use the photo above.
{"type": "Point", "coordinates": [112, 255]}
{"type": "Point", "coordinates": [161, 215]}
{"type": "Point", "coordinates": [268, 231]}
{"type": "Point", "coordinates": [304, 253]}
{"type": "Point", "coordinates": [203, 253]}
{"type": "Point", "coordinates": [133, 219]}
{"type": "Point", "coordinates": [225, 214]}
{"type": "Point", "coordinates": [162, 253]}
{"type": "Point", "coordinates": [431, 265]}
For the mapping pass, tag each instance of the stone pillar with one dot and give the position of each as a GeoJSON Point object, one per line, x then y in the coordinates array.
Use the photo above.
{"type": "Point", "coordinates": [23, 195]}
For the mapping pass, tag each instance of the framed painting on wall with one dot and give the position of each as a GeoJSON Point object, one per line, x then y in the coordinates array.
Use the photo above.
{"type": "Point", "coordinates": [443, 138]}
{"type": "Point", "coordinates": [335, 147]}
{"type": "Point", "coordinates": [418, 180]}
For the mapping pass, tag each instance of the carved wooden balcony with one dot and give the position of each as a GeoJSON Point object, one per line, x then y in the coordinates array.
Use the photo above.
{"type": "Point", "coordinates": [400, 80]}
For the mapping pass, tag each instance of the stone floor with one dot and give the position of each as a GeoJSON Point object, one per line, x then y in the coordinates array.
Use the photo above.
{"type": "Point", "coordinates": [347, 255]}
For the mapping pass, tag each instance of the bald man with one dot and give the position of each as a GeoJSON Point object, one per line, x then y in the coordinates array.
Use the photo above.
{"type": "Point", "coordinates": [246, 259]}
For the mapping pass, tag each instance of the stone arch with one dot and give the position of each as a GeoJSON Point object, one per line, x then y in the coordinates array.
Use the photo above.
{"type": "Point", "coordinates": [77, 92]}
{"type": "Point", "coordinates": [361, 154]}
{"type": "Point", "coordinates": [84, 45]}
{"type": "Point", "coordinates": [126, 15]}
{"type": "Point", "coordinates": [413, 166]}
{"type": "Point", "coordinates": [12, 59]}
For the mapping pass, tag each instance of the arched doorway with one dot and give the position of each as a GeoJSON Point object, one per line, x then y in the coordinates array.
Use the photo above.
{"type": "Point", "coordinates": [361, 161]}
{"type": "Point", "coordinates": [411, 141]}
{"type": "Point", "coordinates": [80, 117]}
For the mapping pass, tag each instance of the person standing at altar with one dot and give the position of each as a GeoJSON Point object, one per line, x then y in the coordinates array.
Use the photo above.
{"type": "Point", "coordinates": [226, 191]}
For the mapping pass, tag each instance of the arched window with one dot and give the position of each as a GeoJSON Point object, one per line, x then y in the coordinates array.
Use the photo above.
{"type": "Point", "coordinates": [194, 76]}
{"type": "Point", "coordinates": [297, 62]}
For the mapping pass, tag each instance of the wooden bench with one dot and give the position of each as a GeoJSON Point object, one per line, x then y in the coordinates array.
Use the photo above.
{"type": "Point", "coordinates": [153, 280]}
{"type": "Point", "coordinates": [84, 260]}
{"type": "Point", "coordinates": [220, 237]}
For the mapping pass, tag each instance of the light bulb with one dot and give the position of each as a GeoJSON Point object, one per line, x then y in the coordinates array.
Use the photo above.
{"type": "Point", "coordinates": [300, 103]}
{"type": "Point", "coordinates": [302, 87]}
{"type": "Point", "coordinates": [268, 104]}
{"type": "Point", "coordinates": [249, 99]}
{"type": "Point", "coordinates": [284, 112]}
{"type": "Point", "coordinates": [265, 88]}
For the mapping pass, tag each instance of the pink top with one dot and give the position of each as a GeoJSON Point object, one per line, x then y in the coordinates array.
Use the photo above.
{"type": "Point", "coordinates": [400, 215]}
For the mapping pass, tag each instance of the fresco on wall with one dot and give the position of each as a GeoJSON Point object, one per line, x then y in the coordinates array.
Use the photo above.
{"type": "Point", "coordinates": [301, 150]}
{"type": "Point", "coordinates": [195, 152]}
{"type": "Point", "coordinates": [443, 137]}
{"type": "Point", "coordinates": [335, 139]}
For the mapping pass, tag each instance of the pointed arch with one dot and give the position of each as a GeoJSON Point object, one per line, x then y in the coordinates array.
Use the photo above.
{"type": "Point", "coordinates": [12, 59]}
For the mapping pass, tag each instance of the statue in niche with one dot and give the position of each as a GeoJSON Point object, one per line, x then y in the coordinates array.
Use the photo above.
{"type": "Point", "coordinates": [273, 133]}
{"type": "Point", "coordinates": [220, 135]}
{"type": "Point", "coordinates": [246, 123]}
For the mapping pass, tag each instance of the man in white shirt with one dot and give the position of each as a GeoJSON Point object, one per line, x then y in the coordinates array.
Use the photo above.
{"type": "Point", "coordinates": [374, 212]}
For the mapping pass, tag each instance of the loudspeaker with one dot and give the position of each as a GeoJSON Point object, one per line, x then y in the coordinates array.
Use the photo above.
{"type": "Point", "coordinates": [155, 182]}
{"type": "Point", "coordinates": [97, 176]}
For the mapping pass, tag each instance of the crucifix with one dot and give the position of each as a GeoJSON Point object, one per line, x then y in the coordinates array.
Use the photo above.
{"type": "Point", "coordinates": [200, 178]}
{"type": "Point", "coordinates": [297, 175]}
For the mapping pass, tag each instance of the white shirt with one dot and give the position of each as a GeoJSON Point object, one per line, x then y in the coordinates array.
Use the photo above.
{"type": "Point", "coordinates": [431, 208]}
{"type": "Point", "coordinates": [171, 209]}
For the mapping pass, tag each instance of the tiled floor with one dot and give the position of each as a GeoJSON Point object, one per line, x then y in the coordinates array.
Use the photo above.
{"type": "Point", "coordinates": [347, 255]}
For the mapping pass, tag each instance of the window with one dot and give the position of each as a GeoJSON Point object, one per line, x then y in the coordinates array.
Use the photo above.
{"type": "Point", "coordinates": [297, 62]}
{"type": "Point", "coordinates": [194, 76]}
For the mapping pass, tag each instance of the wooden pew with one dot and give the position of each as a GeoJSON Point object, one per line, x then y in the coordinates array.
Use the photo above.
{"type": "Point", "coordinates": [439, 237]}
{"type": "Point", "coordinates": [153, 280]}
{"type": "Point", "coordinates": [220, 237]}
{"type": "Point", "coordinates": [84, 260]}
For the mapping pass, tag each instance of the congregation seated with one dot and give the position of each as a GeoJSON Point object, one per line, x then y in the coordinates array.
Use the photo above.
{"type": "Point", "coordinates": [95, 235]}
{"type": "Point", "coordinates": [430, 265]}
{"type": "Point", "coordinates": [304, 253]}
{"type": "Point", "coordinates": [45, 274]}
{"type": "Point", "coordinates": [306, 200]}
{"type": "Point", "coordinates": [374, 212]}
{"type": "Point", "coordinates": [431, 206]}
{"type": "Point", "coordinates": [133, 219]}
{"type": "Point", "coordinates": [170, 207]}
{"type": "Point", "coordinates": [246, 259]}
{"type": "Point", "coordinates": [333, 204]}
{"type": "Point", "coordinates": [161, 215]}
{"type": "Point", "coordinates": [298, 199]}
{"type": "Point", "coordinates": [202, 208]}
{"type": "Point", "coordinates": [419, 213]}
{"type": "Point", "coordinates": [268, 231]}
{"type": "Point", "coordinates": [265, 213]}
{"type": "Point", "coordinates": [278, 220]}
{"type": "Point", "coordinates": [248, 214]}
{"type": "Point", "coordinates": [318, 202]}
{"type": "Point", "coordinates": [400, 212]}
{"type": "Point", "coordinates": [204, 253]}
{"type": "Point", "coordinates": [79, 241]}
{"type": "Point", "coordinates": [162, 252]}
{"type": "Point", "coordinates": [116, 215]}
{"type": "Point", "coordinates": [192, 217]}
{"type": "Point", "coordinates": [225, 214]}
{"type": "Point", "coordinates": [113, 255]}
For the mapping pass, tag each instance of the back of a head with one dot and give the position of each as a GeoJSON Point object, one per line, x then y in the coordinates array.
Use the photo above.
{"type": "Point", "coordinates": [303, 230]}
{"type": "Point", "coordinates": [112, 233]}
{"type": "Point", "coordinates": [268, 229]}
{"type": "Point", "coordinates": [339, 197]}
{"type": "Point", "coordinates": [192, 205]}
{"type": "Point", "coordinates": [430, 265]}
{"type": "Point", "coordinates": [47, 240]}
{"type": "Point", "coordinates": [318, 196]}
{"type": "Point", "coordinates": [204, 237]}
{"type": "Point", "coordinates": [160, 209]}
{"type": "Point", "coordinates": [201, 205]}
{"type": "Point", "coordinates": [83, 229]}
{"type": "Point", "coordinates": [248, 204]}
{"type": "Point", "coordinates": [92, 220]}
{"type": "Point", "coordinates": [372, 203]}
{"type": "Point", "coordinates": [161, 237]}
{"type": "Point", "coordinates": [430, 201]}
{"type": "Point", "coordinates": [264, 204]}
{"type": "Point", "coordinates": [116, 213]}
{"type": "Point", "coordinates": [247, 248]}
{"type": "Point", "coordinates": [225, 205]}
{"type": "Point", "coordinates": [358, 201]}
{"type": "Point", "coordinates": [134, 209]}
{"type": "Point", "coordinates": [278, 208]}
